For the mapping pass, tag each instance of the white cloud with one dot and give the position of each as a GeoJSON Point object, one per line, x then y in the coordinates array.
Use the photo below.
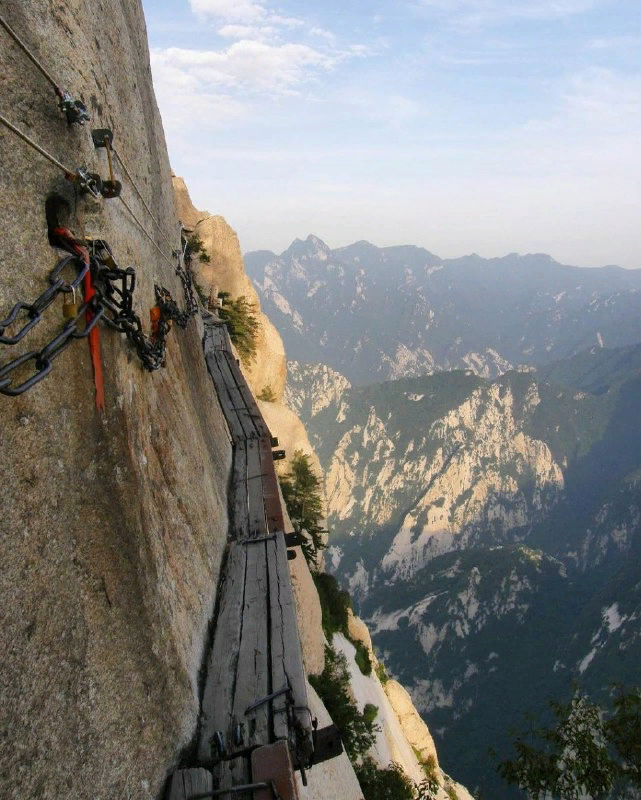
{"type": "Point", "coordinates": [476, 13]}
{"type": "Point", "coordinates": [247, 64]}
{"type": "Point", "coordinates": [243, 11]}
{"type": "Point", "coordinates": [323, 34]}
{"type": "Point", "coordinates": [247, 32]}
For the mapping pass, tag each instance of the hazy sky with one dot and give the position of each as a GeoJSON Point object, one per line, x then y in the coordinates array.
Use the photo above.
{"type": "Point", "coordinates": [484, 126]}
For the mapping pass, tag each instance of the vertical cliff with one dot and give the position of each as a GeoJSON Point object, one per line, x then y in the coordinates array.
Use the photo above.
{"type": "Point", "coordinates": [114, 522]}
{"type": "Point", "coordinates": [225, 273]}
{"type": "Point", "coordinates": [113, 525]}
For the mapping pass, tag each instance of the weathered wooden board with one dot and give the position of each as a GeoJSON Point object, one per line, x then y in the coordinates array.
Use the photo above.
{"type": "Point", "coordinates": [239, 405]}
{"type": "Point", "coordinates": [236, 772]}
{"type": "Point", "coordinates": [186, 783]}
{"type": "Point", "coordinates": [250, 401]}
{"type": "Point", "coordinates": [257, 520]}
{"type": "Point", "coordinates": [223, 660]}
{"type": "Point", "coordinates": [282, 602]}
{"type": "Point", "coordinates": [226, 402]}
{"type": "Point", "coordinates": [271, 495]}
{"type": "Point", "coordinates": [252, 678]}
{"type": "Point", "coordinates": [279, 677]}
{"type": "Point", "coordinates": [239, 524]}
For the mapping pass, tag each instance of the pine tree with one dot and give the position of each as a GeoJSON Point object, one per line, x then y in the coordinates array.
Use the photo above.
{"type": "Point", "coordinates": [302, 492]}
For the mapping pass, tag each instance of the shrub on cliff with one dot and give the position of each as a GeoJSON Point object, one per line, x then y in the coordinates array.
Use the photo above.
{"type": "Point", "coordinates": [302, 492]}
{"type": "Point", "coordinates": [242, 323]}
{"type": "Point", "coordinates": [195, 246]}
{"type": "Point", "coordinates": [335, 603]}
{"type": "Point", "coordinates": [357, 730]}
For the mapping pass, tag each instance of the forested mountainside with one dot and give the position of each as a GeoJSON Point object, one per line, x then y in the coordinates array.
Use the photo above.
{"type": "Point", "coordinates": [375, 314]}
{"type": "Point", "coordinates": [490, 532]}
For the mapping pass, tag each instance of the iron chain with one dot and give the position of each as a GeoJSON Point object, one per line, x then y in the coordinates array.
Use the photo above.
{"type": "Point", "coordinates": [112, 303]}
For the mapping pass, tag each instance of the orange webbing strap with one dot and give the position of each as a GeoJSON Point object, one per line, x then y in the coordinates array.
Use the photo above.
{"type": "Point", "coordinates": [67, 240]}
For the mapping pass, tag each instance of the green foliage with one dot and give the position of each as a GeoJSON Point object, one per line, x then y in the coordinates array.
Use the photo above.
{"type": "Point", "coordinates": [431, 781]}
{"type": "Point", "coordinates": [267, 394]}
{"type": "Point", "coordinates": [370, 712]}
{"type": "Point", "coordinates": [582, 754]}
{"type": "Point", "coordinates": [195, 245]}
{"type": "Point", "coordinates": [381, 673]}
{"type": "Point", "coordinates": [202, 294]}
{"type": "Point", "coordinates": [302, 493]}
{"type": "Point", "coordinates": [357, 732]}
{"type": "Point", "coordinates": [240, 317]}
{"type": "Point", "coordinates": [384, 784]}
{"type": "Point", "coordinates": [335, 603]}
{"type": "Point", "coordinates": [362, 657]}
{"type": "Point", "coordinates": [450, 791]}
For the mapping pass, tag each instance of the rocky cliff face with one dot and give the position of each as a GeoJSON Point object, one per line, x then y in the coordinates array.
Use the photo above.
{"type": "Point", "coordinates": [225, 273]}
{"type": "Point", "coordinates": [113, 525]}
{"type": "Point", "coordinates": [490, 532]}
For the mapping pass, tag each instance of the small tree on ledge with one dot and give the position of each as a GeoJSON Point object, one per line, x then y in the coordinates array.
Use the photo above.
{"type": "Point", "coordinates": [301, 489]}
{"type": "Point", "coordinates": [240, 317]}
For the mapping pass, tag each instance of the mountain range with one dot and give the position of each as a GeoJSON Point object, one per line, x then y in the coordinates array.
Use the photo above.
{"type": "Point", "coordinates": [486, 519]}
{"type": "Point", "coordinates": [375, 314]}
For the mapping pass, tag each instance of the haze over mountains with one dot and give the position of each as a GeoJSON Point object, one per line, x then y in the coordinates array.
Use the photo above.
{"type": "Point", "coordinates": [486, 519]}
{"type": "Point", "coordinates": [375, 314]}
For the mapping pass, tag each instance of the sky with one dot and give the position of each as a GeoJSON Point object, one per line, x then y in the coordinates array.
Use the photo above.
{"type": "Point", "coordinates": [486, 126]}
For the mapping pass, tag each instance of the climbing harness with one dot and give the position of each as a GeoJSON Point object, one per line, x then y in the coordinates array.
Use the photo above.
{"type": "Point", "coordinates": [74, 110]}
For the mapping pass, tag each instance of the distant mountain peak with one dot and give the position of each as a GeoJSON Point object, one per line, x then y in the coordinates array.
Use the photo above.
{"type": "Point", "coordinates": [308, 248]}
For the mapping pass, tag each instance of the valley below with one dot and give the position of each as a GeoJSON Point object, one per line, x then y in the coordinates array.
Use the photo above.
{"type": "Point", "coordinates": [486, 519]}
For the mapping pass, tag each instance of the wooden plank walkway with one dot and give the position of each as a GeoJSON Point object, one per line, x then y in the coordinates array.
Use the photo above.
{"type": "Point", "coordinates": [255, 691]}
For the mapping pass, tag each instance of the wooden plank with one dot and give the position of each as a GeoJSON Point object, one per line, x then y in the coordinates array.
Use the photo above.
{"type": "Point", "coordinates": [188, 782]}
{"type": "Point", "coordinates": [223, 659]}
{"type": "Point", "coordinates": [271, 495]}
{"type": "Point", "coordinates": [239, 405]}
{"type": "Point", "coordinates": [250, 400]}
{"type": "Point", "coordinates": [252, 679]}
{"type": "Point", "coordinates": [257, 520]}
{"type": "Point", "coordinates": [224, 398]}
{"type": "Point", "coordinates": [239, 524]}
{"type": "Point", "coordinates": [236, 772]}
{"type": "Point", "coordinates": [292, 654]}
{"type": "Point", "coordinates": [280, 724]}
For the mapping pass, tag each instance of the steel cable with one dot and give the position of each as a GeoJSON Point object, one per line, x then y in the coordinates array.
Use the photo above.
{"type": "Point", "coordinates": [142, 199]}
{"type": "Point", "coordinates": [29, 54]}
{"type": "Point", "coordinates": [68, 172]}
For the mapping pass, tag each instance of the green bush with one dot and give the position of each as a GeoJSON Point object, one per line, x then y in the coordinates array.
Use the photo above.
{"type": "Point", "coordinates": [357, 732]}
{"type": "Point", "coordinates": [381, 673]}
{"type": "Point", "coordinates": [267, 394]}
{"type": "Point", "coordinates": [240, 317]}
{"type": "Point", "coordinates": [335, 603]}
{"type": "Point", "coordinates": [384, 784]}
{"type": "Point", "coordinates": [302, 492]}
{"type": "Point", "coordinates": [195, 245]}
{"type": "Point", "coordinates": [362, 658]}
{"type": "Point", "coordinates": [370, 712]}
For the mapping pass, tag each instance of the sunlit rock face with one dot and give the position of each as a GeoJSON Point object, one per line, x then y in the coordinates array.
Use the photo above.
{"type": "Point", "coordinates": [487, 530]}
{"type": "Point", "coordinates": [225, 273]}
